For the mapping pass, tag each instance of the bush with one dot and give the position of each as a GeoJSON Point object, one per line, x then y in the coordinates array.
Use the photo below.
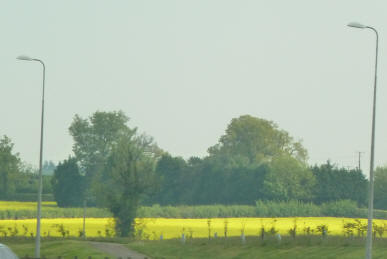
{"type": "Point", "coordinates": [286, 209]}
{"type": "Point", "coordinates": [30, 197]}
{"type": "Point", "coordinates": [343, 208]}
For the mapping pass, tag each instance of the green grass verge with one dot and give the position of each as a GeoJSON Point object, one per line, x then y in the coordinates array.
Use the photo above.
{"type": "Point", "coordinates": [53, 248]}
{"type": "Point", "coordinates": [302, 248]}
{"type": "Point", "coordinates": [310, 247]}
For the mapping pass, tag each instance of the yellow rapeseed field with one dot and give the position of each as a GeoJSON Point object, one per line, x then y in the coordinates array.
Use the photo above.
{"type": "Point", "coordinates": [52, 227]}
{"type": "Point", "coordinates": [152, 228]}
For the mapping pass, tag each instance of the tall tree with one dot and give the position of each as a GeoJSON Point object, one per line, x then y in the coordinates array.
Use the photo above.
{"type": "Point", "coordinates": [68, 184]}
{"type": "Point", "coordinates": [94, 139]}
{"type": "Point", "coordinates": [380, 188]}
{"type": "Point", "coordinates": [172, 175]}
{"type": "Point", "coordinates": [9, 167]}
{"type": "Point", "coordinates": [128, 175]}
{"type": "Point", "coordinates": [252, 141]}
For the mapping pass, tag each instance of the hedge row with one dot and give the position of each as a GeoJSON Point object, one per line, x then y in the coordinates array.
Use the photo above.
{"type": "Point", "coordinates": [344, 208]}
{"type": "Point", "coordinates": [55, 213]}
{"type": "Point", "coordinates": [30, 197]}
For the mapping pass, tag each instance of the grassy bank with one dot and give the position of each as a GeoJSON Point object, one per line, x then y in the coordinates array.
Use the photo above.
{"type": "Point", "coordinates": [52, 248]}
{"type": "Point", "coordinates": [301, 247]}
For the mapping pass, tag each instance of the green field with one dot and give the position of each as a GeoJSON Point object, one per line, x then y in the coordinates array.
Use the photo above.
{"type": "Point", "coordinates": [302, 248]}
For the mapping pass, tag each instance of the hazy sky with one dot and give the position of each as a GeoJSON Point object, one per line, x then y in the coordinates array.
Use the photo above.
{"type": "Point", "coordinates": [181, 70]}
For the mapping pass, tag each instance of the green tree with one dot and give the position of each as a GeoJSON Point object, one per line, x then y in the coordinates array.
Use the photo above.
{"type": "Point", "coordinates": [380, 190]}
{"type": "Point", "coordinates": [68, 184]}
{"type": "Point", "coordinates": [288, 179]}
{"type": "Point", "coordinates": [172, 175]}
{"type": "Point", "coordinates": [128, 176]}
{"type": "Point", "coordinates": [94, 139]}
{"type": "Point", "coordinates": [9, 167]}
{"type": "Point", "coordinates": [333, 183]}
{"type": "Point", "coordinates": [212, 184]}
{"type": "Point", "coordinates": [27, 181]}
{"type": "Point", "coordinates": [251, 141]}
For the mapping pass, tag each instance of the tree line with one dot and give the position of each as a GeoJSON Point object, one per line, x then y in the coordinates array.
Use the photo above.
{"type": "Point", "coordinates": [200, 182]}
{"type": "Point", "coordinates": [116, 167]}
{"type": "Point", "coordinates": [19, 180]}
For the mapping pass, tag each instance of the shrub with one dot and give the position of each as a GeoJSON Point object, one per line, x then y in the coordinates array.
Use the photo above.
{"type": "Point", "coordinates": [343, 208]}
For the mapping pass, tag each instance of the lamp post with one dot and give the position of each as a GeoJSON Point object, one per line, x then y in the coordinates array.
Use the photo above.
{"type": "Point", "coordinates": [371, 179]}
{"type": "Point", "coordinates": [40, 187]}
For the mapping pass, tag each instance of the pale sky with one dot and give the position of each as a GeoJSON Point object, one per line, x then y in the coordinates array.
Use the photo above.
{"type": "Point", "coordinates": [181, 70]}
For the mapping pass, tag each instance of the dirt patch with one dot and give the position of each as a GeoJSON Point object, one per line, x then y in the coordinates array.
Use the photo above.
{"type": "Point", "coordinates": [117, 250]}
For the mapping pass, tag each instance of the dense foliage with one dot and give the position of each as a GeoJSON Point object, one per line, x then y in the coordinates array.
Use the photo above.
{"type": "Point", "coordinates": [343, 208]}
{"type": "Point", "coordinates": [203, 182]}
{"type": "Point", "coordinates": [250, 141]}
{"type": "Point", "coordinates": [9, 167]}
{"type": "Point", "coordinates": [254, 160]}
{"type": "Point", "coordinates": [68, 184]}
{"type": "Point", "coordinates": [117, 163]}
{"type": "Point", "coordinates": [380, 188]}
{"type": "Point", "coordinates": [94, 139]}
{"type": "Point", "coordinates": [129, 174]}
{"type": "Point", "coordinates": [18, 181]}
{"type": "Point", "coordinates": [334, 183]}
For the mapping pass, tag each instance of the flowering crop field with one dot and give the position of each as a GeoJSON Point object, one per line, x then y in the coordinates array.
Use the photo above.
{"type": "Point", "coordinates": [152, 228]}
{"type": "Point", "coordinates": [56, 227]}
{"type": "Point", "coordinates": [19, 220]}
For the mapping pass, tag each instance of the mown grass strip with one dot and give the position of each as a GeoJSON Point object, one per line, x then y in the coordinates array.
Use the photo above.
{"type": "Point", "coordinates": [53, 248]}
{"type": "Point", "coordinates": [313, 248]}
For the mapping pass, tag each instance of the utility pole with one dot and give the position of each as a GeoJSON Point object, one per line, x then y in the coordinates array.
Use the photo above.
{"type": "Point", "coordinates": [359, 153]}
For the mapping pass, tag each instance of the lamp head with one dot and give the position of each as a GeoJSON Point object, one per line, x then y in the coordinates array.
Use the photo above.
{"type": "Point", "coordinates": [357, 25]}
{"type": "Point", "coordinates": [24, 57]}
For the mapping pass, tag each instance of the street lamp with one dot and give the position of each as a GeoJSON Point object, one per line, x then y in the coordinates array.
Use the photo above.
{"type": "Point", "coordinates": [37, 241]}
{"type": "Point", "coordinates": [371, 185]}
